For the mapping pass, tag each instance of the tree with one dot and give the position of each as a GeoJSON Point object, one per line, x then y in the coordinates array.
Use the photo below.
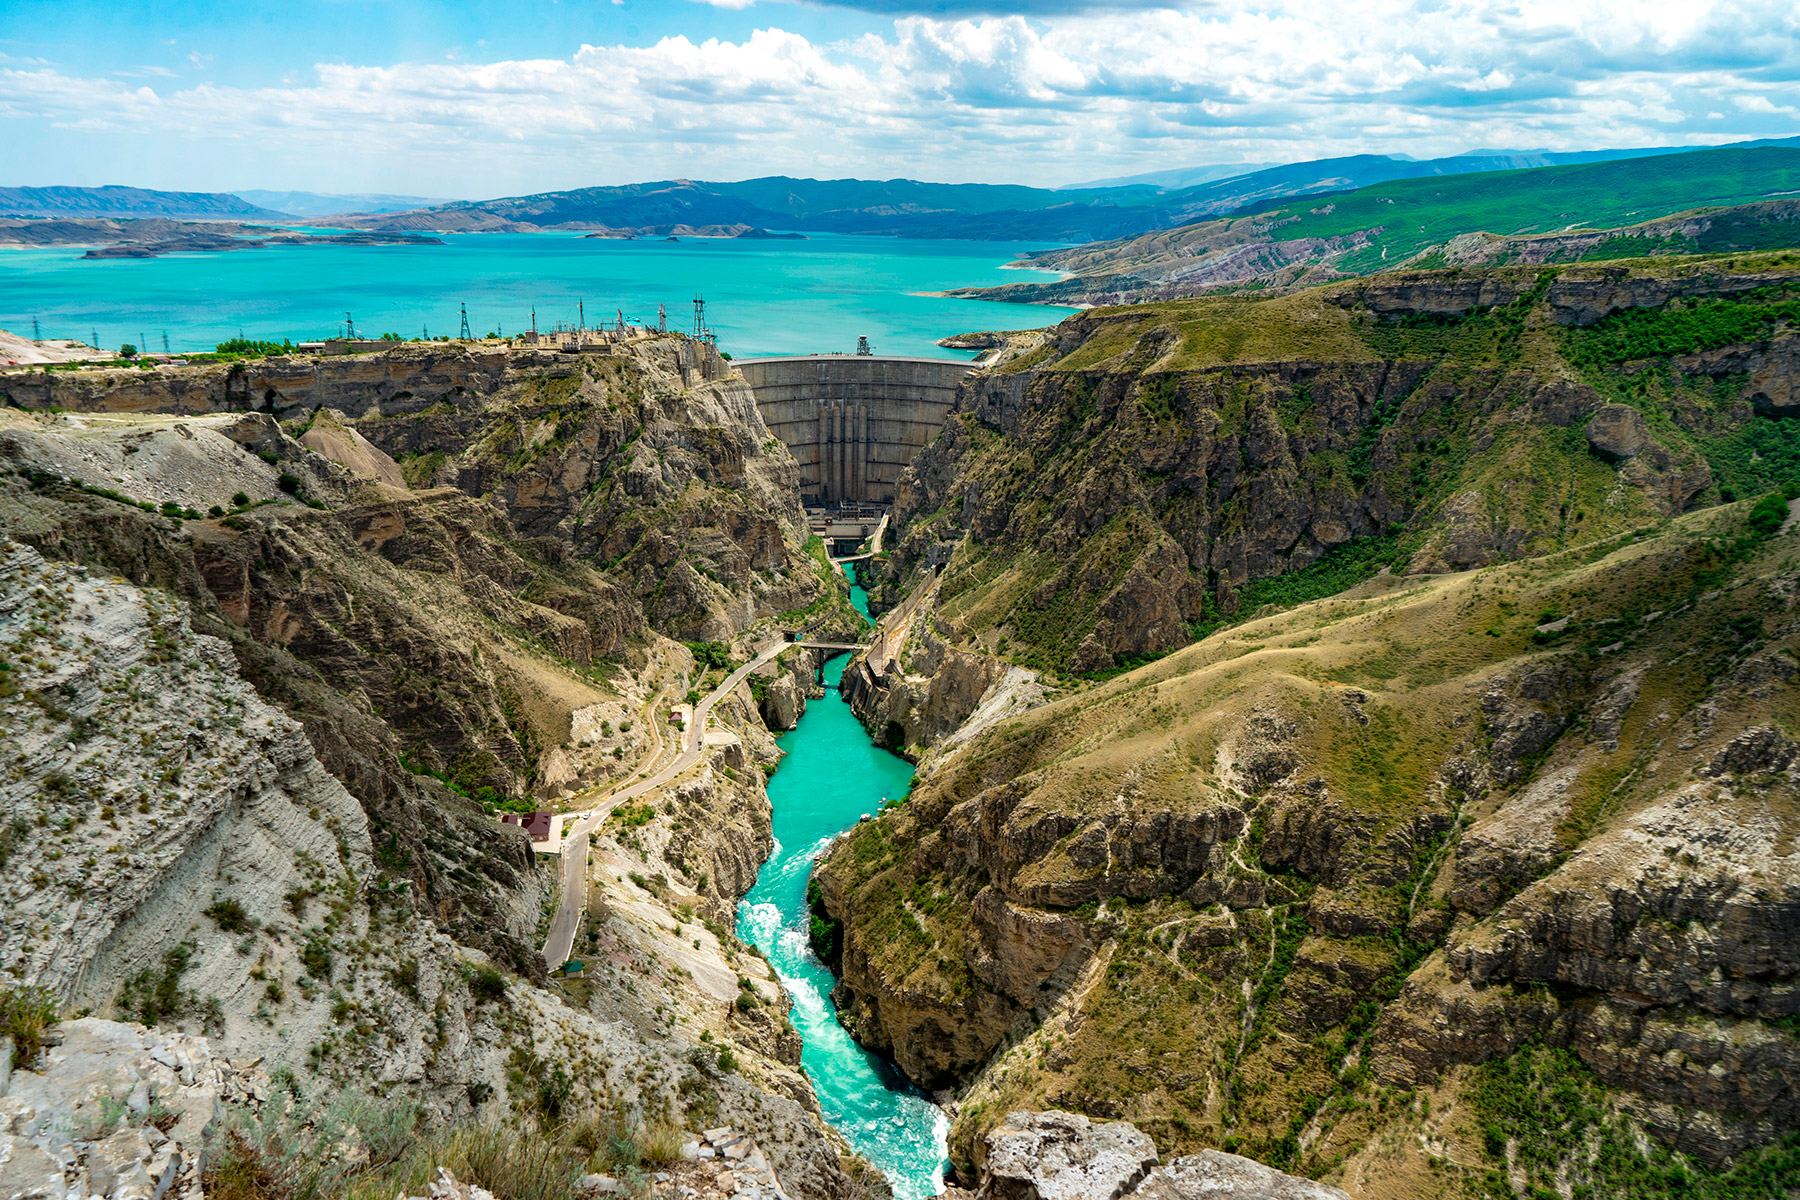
{"type": "Point", "coordinates": [127, 351]}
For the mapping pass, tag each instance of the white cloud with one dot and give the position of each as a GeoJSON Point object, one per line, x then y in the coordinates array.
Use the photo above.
{"type": "Point", "coordinates": [997, 98]}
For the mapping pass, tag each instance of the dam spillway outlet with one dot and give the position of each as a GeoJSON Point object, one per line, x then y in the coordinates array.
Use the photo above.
{"type": "Point", "coordinates": [853, 422]}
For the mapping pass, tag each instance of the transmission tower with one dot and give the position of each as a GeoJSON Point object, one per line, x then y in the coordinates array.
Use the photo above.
{"type": "Point", "coordinates": [863, 347]}
{"type": "Point", "coordinates": [662, 319]}
{"type": "Point", "coordinates": [165, 341]}
{"type": "Point", "coordinates": [699, 316]}
{"type": "Point", "coordinates": [465, 335]}
{"type": "Point", "coordinates": [349, 326]}
{"type": "Point", "coordinates": [580, 315]}
{"type": "Point", "coordinates": [94, 335]}
{"type": "Point", "coordinates": [34, 330]}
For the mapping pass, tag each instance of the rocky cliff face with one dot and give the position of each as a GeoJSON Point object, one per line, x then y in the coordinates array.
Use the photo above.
{"type": "Point", "coordinates": [1147, 475]}
{"type": "Point", "coordinates": [1476, 836]}
{"type": "Point", "coordinates": [923, 695]}
{"type": "Point", "coordinates": [628, 458]}
{"type": "Point", "coordinates": [251, 808]}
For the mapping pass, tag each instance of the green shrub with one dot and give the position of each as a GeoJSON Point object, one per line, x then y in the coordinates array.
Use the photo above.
{"type": "Point", "coordinates": [487, 985]}
{"type": "Point", "coordinates": [710, 655]}
{"type": "Point", "coordinates": [152, 997]}
{"type": "Point", "coordinates": [229, 915]}
{"type": "Point", "coordinates": [315, 956]}
{"type": "Point", "coordinates": [25, 1012]}
{"type": "Point", "coordinates": [1768, 515]}
{"type": "Point", "coordinates": [288, 483]}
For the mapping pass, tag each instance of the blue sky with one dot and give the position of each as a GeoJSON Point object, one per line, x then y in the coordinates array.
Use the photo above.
{"type": "Point", "coordinates": [471, 99]}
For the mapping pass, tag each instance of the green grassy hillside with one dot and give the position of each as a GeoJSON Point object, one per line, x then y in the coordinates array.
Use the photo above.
{"type": "Point", "coordinates": [1427, 221]}
{"type": "Point", "coordinates": [1412, 214]}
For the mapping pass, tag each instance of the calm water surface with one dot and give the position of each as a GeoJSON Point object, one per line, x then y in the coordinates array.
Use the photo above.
{"type": "Point", "coordinates": [763, 297]}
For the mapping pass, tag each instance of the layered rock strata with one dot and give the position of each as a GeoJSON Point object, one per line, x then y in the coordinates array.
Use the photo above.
{"type": "Point", "coordinates": [1384, 840]}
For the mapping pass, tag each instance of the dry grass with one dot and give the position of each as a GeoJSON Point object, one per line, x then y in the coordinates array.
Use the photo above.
{"type": "Point", "coordinates": [314, 1150]}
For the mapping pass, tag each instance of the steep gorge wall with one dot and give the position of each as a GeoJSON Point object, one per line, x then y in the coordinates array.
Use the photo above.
{"type": "Point", "coordinates": [1366, 830]}
{"type": "Point", "coordinates": [1128, 490]}
{"type": "Point", "coordinates": [386, 633]}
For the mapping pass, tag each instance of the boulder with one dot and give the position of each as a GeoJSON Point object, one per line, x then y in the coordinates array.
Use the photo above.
{"type": "Point", "coordinates": [1618, 433]}
{"type": "Point", "coordinates": [27, 1172]}
{"type": "Point", "coordinates": [781, 703]}
{"type": "Point", "coordinates": [1064, 1156]}
{"type": "Point", "coordinates": [1213, 1175]}
{"type": "Point", "coordinates": [1775, 387]}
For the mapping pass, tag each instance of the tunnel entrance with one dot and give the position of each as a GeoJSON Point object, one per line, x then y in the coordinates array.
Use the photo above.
{"type": "Point", "coordinates": [852, 421]}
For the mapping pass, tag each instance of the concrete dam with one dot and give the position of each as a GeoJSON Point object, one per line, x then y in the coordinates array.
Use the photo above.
{"type": "Point", "coordinates": [853, 421]}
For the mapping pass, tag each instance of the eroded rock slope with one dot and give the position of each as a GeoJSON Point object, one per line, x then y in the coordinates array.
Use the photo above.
{"type": "Point", "coordinates": [1358, 887]}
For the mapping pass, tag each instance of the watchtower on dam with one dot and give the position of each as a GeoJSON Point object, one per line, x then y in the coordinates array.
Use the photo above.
{"type": "Point", "coordinates": [853, 421]}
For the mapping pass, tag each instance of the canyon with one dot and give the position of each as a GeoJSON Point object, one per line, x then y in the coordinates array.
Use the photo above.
{"type": "Point", "coordinates": [1354, 735]}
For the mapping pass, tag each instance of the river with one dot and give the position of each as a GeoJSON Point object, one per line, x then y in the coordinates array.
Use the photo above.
{"type": "Point", "coordinates": [831, 775]}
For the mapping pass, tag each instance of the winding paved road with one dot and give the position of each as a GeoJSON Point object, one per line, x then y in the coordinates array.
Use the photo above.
{"type": "Point", "coordinates": [561, 940]}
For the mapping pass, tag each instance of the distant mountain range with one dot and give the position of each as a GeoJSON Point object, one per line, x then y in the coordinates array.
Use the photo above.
{"type": "Point", "coordinates": [320, 204]}
{"type": "Point", "coordinates": [908, 208]}
{"type": "Point", "coordinates": [1106, 210]}
{"type": "Point", "coordinates": [106, 202]}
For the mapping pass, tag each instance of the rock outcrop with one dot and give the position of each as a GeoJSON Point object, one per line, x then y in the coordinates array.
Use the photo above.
{"type": "Point", "coordinates": [1064, 1156]}
{"type": "Point", "coordinates": [116, 1111]}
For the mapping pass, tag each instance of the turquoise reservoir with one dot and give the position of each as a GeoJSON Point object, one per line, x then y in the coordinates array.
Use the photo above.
{"type": "Point", "coordinates": [831, 776]}
{"type": "Point", "coordinates": [763, 297]}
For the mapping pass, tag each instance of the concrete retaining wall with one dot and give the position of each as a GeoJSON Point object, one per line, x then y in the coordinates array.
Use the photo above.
{"type": "Point", "coordinates": [853, 421]}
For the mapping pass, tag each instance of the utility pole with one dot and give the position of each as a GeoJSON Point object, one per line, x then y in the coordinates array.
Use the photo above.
{"type": "Point", "coordinates": [465, 335]}
{"type": "Point", "coordinates": [534, 322]}
{"type": "Point", "coordinates": [580, 319]}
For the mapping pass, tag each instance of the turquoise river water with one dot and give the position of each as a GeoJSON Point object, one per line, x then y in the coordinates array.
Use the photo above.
{"type": "Point", "coordinates": [763, 297]}
{"type": "Point", "coordinates": [831, 776]}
